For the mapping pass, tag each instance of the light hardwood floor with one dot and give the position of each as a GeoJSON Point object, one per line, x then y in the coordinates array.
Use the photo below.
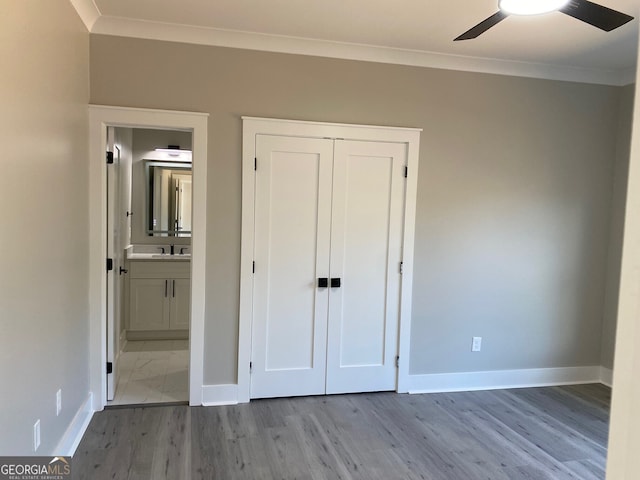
{"type": "Point", "coordinates": [537, 433]}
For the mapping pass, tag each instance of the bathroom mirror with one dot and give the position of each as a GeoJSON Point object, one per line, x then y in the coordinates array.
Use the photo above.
{"type": "Point", "coordinates": [168, 208]}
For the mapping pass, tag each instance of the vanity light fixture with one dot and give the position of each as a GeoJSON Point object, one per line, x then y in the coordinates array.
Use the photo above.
{"type": "Point", "coordinates": [531, 7]}
{"type": "Point", "coordinates": [174, 151]}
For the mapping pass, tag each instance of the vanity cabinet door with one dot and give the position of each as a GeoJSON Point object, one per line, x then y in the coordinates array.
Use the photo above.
{"type": "Point", "coordinates": [180, 303]}
{"type": "Point", "coordinates": [149, 304]}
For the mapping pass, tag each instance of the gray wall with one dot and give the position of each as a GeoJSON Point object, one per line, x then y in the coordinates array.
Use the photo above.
{"type": "Point", "coordinates": [617, 225]}
{"type": "Point", "coordinates": [514, 204]}
{"type": "Point", "coordinates": [44, 91]}
{"type": "Point", "coordinates": [515, 190]}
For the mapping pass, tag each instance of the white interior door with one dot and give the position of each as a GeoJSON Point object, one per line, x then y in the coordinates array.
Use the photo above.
{"type": "Point", "coordinates": [334, 210]}
{"type": "Point", "coordinates": [124, 139]}
{"type": "Point", "coordinates": [366, 251]}
{"type": "Point", "coordinates": [112, 275]}
{"type": "Point", "coordinates": [183, 203]}
{"type": "Point", "coordinates": [161, 195]}
{"type": "Point", "coordinates": [292, 236]}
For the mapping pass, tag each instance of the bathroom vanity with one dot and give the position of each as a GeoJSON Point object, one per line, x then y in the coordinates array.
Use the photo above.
{"type": "Point", "coordinates": [157, 287]}
{"type": "Point", "coordinates": [159, 296]}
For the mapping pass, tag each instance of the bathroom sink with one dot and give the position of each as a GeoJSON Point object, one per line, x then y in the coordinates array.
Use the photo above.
{"type": "Point", "coordinates": [159, 256]}
{"type": "Point", "coordinates": [151, 252]}
{"type": "Point", "coordinates": [168, 256]}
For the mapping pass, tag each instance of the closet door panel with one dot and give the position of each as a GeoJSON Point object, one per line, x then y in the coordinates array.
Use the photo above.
{"type": "Point", "coordinates": [367, 215]}
{"type": "Point", "coordinates": [292, 235]}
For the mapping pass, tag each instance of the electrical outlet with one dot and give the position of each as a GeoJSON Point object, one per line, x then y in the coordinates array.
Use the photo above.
{"type": "Point", "coordinates": [36, 435]}
{"type": "Point", "coordinates": [58, 402]}
{"type": "Point", "coordinates": [476, 344]}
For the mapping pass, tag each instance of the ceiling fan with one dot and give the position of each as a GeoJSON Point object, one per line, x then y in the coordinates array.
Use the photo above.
{"type": "Point", "coordinates": [601, 17]}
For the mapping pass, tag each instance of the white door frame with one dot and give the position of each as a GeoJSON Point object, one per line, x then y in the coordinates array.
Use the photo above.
{"type": "Point", "coordinates": [113, 313]}
{"type": "Point", "coordinates": [252, 126]}
{"type": "Point", "coordinates": [100, 117]}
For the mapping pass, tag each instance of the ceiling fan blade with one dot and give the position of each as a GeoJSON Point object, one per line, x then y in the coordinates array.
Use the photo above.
{"type": "Point", "coordinates": [482, 26]}
{"type": "Point", "coordinates": [602, 17]}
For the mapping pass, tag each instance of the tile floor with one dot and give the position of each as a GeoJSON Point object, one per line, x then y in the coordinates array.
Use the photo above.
{"type": "Point", "coordinates": [153, 372]}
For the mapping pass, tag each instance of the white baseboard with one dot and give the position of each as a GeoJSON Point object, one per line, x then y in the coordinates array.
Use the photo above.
{"type": "Point", "coordinates": [606, 376]}
{"type": "Point", "coordinates": [71, 439]}
{"type": "Point", "coordinates": [213, 395]}
{"type": "Point", "coordinates": [502, 379]}
{"type": "Point", "coordinates": [122, 343]}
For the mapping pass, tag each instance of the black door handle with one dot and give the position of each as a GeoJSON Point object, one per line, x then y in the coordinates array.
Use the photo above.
{"type": "Point", "coordinates": [335, 283]}
{"type": "Point", "coordinates": [123, 270]}
{"type": "Point", "coordinates": [323, 282]}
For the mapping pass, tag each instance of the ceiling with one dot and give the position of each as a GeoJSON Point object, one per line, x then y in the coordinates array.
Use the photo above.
{"type": "Point", "coordinates": [411, 32]}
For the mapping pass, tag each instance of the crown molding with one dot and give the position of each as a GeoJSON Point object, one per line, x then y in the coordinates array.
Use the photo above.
{"type": "Point", "coordinates": [88, 12]}
{"type": "Point", "coordinates": [126, 27]}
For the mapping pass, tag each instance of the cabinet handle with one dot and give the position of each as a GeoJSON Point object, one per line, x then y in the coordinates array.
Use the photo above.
{"type": "Point", "coordinates": [335, 283]}
{"type": "Point", "coordinates": [173, 290]}
{"type": "Point", "coordinates": [323, 282]}
{"type": "Point", "coordinates": [166, 283]}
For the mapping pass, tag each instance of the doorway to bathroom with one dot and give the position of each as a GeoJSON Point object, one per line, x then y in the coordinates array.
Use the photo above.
{"type": "Point", "coordinates": [149, 218]}
{"type": "Point", "coordinates": [147, 311]}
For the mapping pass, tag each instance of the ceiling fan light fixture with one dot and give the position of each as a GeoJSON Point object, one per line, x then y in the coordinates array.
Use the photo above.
{"type": "Point", "coordinates": [531, 7]}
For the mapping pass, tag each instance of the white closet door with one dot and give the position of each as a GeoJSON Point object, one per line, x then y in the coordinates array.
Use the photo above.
{"type": "Point", "coordinates": [366, 250]}
{"type": "Point", "coordinates": [292, 236]}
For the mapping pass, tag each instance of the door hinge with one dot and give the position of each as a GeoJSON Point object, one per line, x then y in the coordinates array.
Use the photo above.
{"type": "Point", "coordinates": [109, 368]}
{"type": "Point", "coordinates": [398, 361]}
{"type": "Point", "coordinates": [401, 267]}
{"type": "Point", "coordinates": [109, 264]}
{"type": "Point", "coordinates": [255, 163]}
{"type": "Point", "coordinates": [250, 367]}
{"type": "Point", "coordinates": [109, 158]}
{"type": "Point", "coordinates": [253, 268]}
{"type": "Point", "coordinates": [406, 171]}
